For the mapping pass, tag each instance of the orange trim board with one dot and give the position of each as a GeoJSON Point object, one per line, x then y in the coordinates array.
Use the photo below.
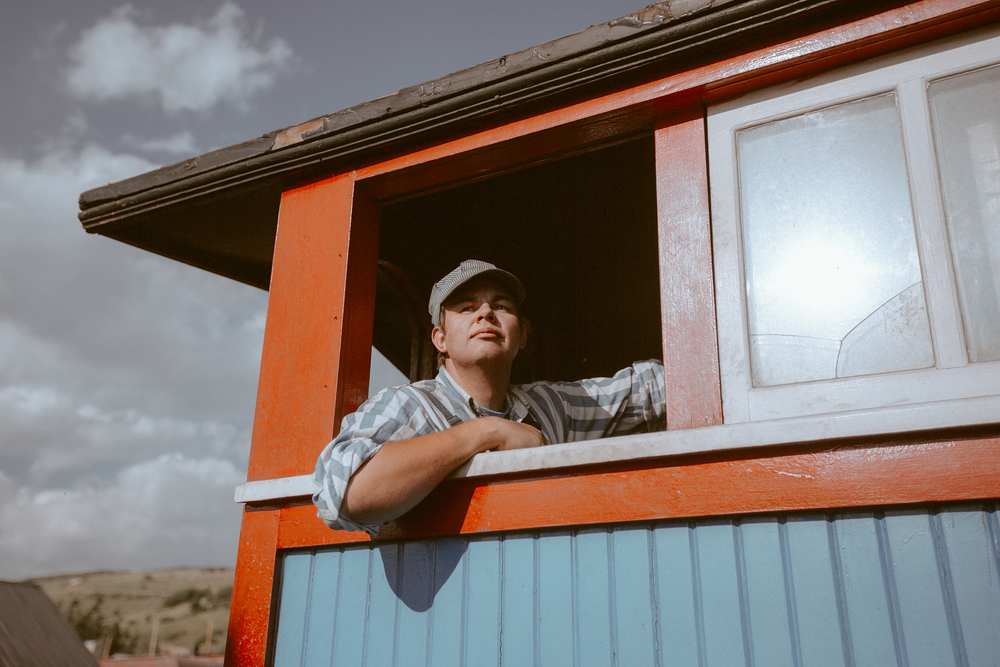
{"type": "Point", "coordinates": [687, 280]}
{"type": "Point", "coordinates": [705, 485]}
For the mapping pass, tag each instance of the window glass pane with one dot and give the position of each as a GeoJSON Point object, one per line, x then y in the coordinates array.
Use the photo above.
{"type": "Point", "coordinates": [965, 111]}
{"type": "Point", "coordinates": [833, 277]}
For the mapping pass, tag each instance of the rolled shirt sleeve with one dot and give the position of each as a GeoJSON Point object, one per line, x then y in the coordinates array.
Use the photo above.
{"type": "Point", "coordinates": [631, 401]}
{"type": "Point", "coordinates": [386, 417]}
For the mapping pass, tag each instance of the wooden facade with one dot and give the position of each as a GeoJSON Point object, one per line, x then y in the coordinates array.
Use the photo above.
{"type": "Point", "coordinates": [340, 194]}
{"type": "Point", "coordinates": [845, 588]}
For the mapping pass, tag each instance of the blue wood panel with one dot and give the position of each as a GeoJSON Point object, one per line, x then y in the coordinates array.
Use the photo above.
{"type": "Point", "coordinates": [678, 632]}
{"type": "Point", "coordinates": [903, 588]}
{"type": "Point", "coordinates": [973, 561]}
{"type": "Point", "coordinates": [416, 596]}
{"type": "Point", "coordinates": [555, 601]}
{"type": "Point", "coordinates": [519, 629]}
{"type": "Point", "coordinates": [322, 619]}
{"type": "Point", "coordinates": [381, 629]}
{"type": "Point", "coordinates": [768, 596]}
{"type": "Point", "coordinates": [918, 585]}
{"type": "Point", "coordinates": [482, 605]}
{"type": "Point", "coordinates": [295, 591]}
{"type": "Point", "coordinates": [593, 606]}
{"type": "Point", "coordinates": [448, 613]}
{"type": "Point", "coordinates": [720, 595]}
{"type": "Point", "coordinates": [812, 585]}
{"type": "Point", "coordinates": [865, 595]}
{"type": "Point", "coordinates": [633, 604]}
{"type": "Point", "coordinates": [352, 605]}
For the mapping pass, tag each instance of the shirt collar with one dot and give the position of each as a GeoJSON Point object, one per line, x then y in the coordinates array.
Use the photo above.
{"type": "Point", "coordinates": [463, 403]}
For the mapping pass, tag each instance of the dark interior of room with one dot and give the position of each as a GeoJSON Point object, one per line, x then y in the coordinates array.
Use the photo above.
{"type": "Point", "coordinates": [579, 232]}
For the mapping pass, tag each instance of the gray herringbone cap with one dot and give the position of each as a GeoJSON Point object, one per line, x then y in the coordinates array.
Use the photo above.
{"type": "Point", "coordinates": [466, 271]}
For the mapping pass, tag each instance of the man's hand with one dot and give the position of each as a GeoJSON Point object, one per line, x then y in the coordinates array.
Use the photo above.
{"type": "Point", "coordinates": [402, 473]}
{"type": "Point", "coordinates": [502, 434]}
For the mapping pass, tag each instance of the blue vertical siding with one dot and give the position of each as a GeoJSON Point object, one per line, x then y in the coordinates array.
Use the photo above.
{"type": "Point", "coordinates": [321, 622]}
{"type": "Point", "coordinates": [592, 608]}
{"type": "Point", "coordinates": [904, 588]}
{"type": "Point", "coordinates": [679, 633]}
{"type": "Point", "coordinates": [554, 576]}
{"type": "Point", "coordinates": [518, 631]}
{"type": "Point", "coordinates": [447, 626]}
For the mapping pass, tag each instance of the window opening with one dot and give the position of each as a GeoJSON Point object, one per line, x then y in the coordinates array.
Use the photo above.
{"type": "Point", "coordinates": [402, 324]}
{"type": "Point", "coordinates": [580, 232]}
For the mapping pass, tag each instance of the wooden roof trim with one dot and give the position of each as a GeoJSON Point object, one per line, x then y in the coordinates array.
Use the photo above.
{"type": "Point", "coordinates": [658, 35]}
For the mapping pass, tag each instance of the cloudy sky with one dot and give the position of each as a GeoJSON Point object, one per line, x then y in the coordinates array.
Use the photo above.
{"type": "Point", "coordinates": [127, 381]}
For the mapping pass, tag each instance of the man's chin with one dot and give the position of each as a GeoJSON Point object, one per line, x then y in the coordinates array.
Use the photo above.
{"type": "Point", "coordinates": [492, 351]}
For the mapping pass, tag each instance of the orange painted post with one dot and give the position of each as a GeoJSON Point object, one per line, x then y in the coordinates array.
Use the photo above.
{"type": "Point", "coordinates": [314, 367]}
{"type": "Point", "coordinates": [687, 292]}
{"type": "Point", "coordinates": [246, 642]}
{"type": "Point", "coordinates": [316, 341]}
{"type": "Point", "coordinates": [359, 310]}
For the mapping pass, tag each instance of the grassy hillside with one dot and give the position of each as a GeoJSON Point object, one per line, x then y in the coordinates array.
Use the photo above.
{"type": "Point", "coordinates": [125, 604]}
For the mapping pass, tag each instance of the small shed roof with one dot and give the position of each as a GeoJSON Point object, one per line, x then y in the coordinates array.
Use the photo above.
{"type": "Point", "coordinates": [218, 211]}
{"type": "Point", "coordinates": [34, 634]}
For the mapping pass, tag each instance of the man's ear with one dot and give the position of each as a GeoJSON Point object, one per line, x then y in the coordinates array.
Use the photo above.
{"type": "Point", "coordinates": [524, 334]}
{"type": "Point", "coordinates": [437, 337]}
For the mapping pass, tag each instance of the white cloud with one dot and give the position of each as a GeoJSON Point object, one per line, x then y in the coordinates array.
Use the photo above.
{"type": "Point", "coordinates": [123, 377]}
{"type": "Point", "coordinates": [30, 400]}
{"type": "Point", "coordinates": [43, 194]}
{"type": "Point", "coordinates": [182, 143]}
{"type": "Point", "coordinates": [163, 512]}
{"type": "Point", "coordinates": [127, 386]}
{"type": "Point", "coordinates": [120, 324]}
{"type": "Point", "coordinates": [185, 67]}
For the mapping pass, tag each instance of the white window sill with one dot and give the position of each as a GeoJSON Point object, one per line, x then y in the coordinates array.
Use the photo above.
{"type": "Point", "coordinates": [882, 421]}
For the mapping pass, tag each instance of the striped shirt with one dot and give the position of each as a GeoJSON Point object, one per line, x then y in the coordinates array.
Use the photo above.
{"type": "Point", "coordinates": [632, 401]}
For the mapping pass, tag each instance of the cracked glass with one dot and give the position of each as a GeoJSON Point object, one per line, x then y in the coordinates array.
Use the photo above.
{"type": "Point", "coordinates": [833, 278]}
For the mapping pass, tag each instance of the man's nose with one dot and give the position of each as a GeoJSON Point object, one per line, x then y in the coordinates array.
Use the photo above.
{"type": "Point", "coordinates": [486, 312]}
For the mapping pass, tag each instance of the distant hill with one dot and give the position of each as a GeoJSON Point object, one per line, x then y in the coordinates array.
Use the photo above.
{"type": "Point", "coordinates": [125, 605]}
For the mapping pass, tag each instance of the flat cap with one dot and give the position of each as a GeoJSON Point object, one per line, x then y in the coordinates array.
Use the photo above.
{"type": "Point", "coordinates": [466, 271]}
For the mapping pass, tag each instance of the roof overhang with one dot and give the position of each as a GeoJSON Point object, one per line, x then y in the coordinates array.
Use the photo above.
{"type": "Point", "coordinates": [218, 211]}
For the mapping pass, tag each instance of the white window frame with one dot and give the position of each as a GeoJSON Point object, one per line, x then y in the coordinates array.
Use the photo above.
{"type": "Point", "coordinates": [907, 74]}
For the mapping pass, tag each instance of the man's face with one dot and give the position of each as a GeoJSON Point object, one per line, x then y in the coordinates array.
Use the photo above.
{"type": "Point", "coordinates": [480, 323]}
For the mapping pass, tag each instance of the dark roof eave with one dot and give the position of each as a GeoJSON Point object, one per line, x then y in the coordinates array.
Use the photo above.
{"type": "Point", "coordinates": [649, 37]}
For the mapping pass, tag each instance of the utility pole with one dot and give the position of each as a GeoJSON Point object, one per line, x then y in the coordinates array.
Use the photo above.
{"type": "Point", "coordinates": [152, 637]}
{"type": "Point", "coordinates": [208, 638]}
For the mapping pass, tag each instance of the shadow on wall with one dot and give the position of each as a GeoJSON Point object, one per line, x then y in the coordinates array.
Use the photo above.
{"type": "Point", "coordinates": [417, 571]}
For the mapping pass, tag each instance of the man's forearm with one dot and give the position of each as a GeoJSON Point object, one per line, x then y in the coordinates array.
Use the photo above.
{"type": "Point", "coordinates": [402, 473]}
